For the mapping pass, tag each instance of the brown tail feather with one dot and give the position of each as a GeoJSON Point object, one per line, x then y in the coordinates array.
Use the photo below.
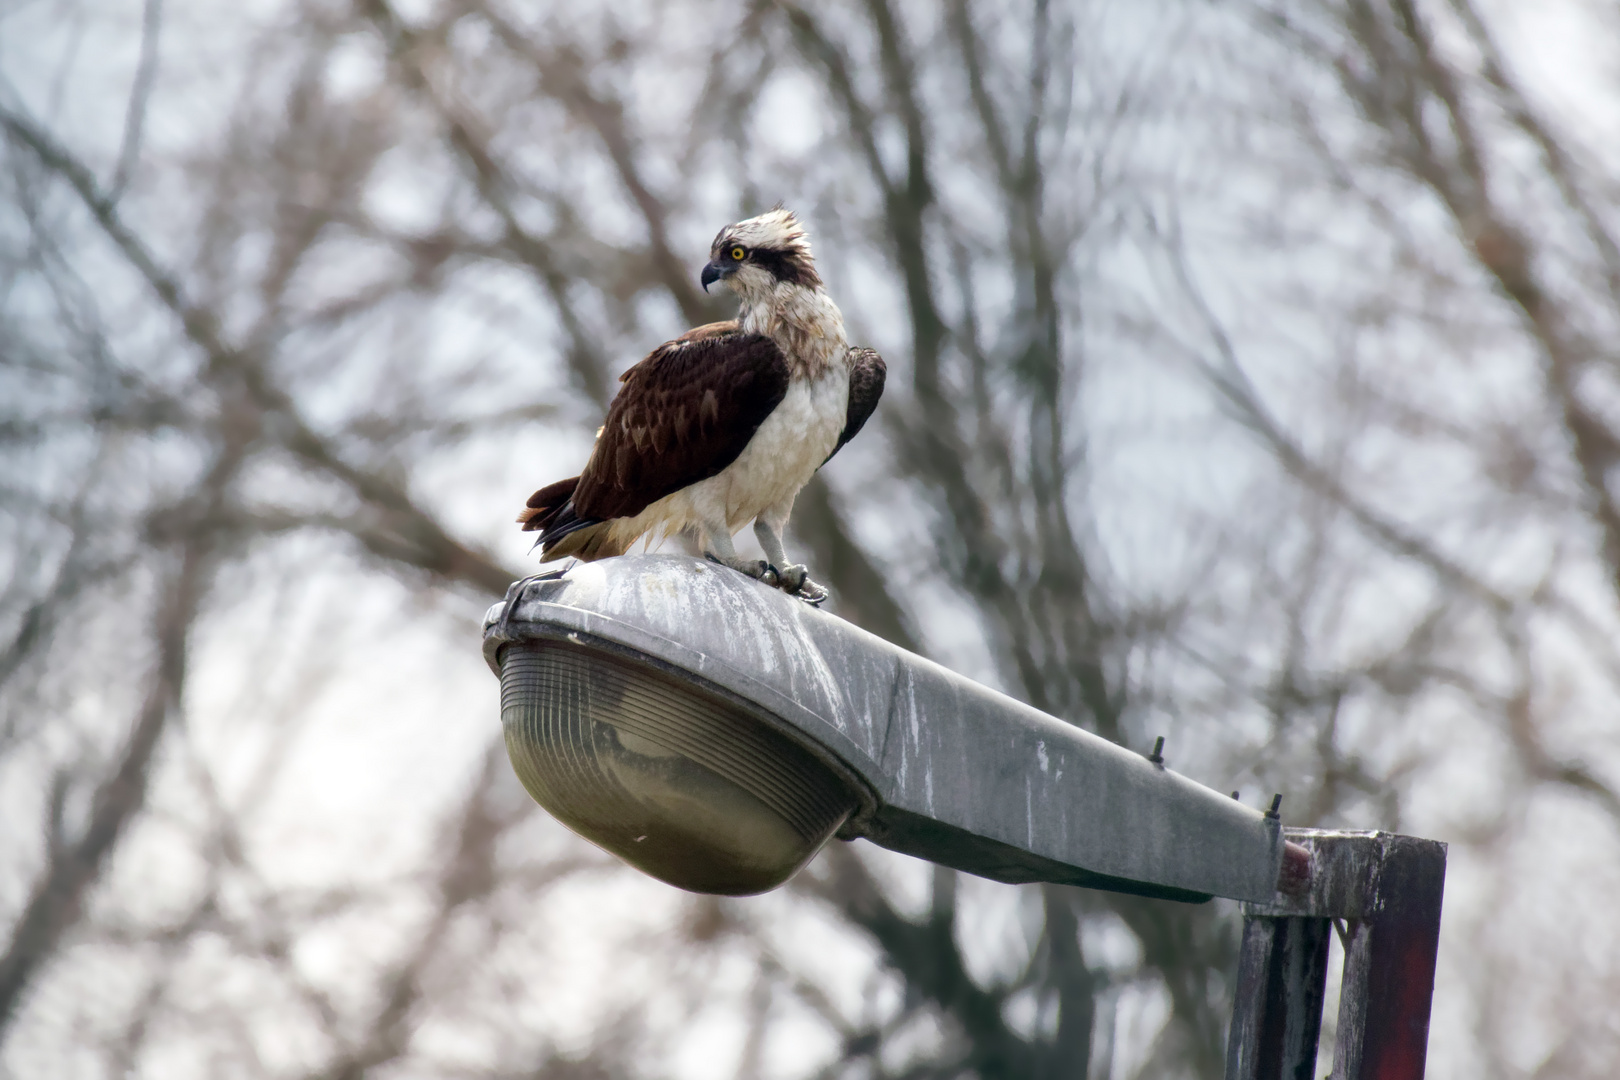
{"type": "Point", "coordinates": [586, 541]}
{"type": "Point", "coordinates": [562, 531]}
{"type": "Point", "coordinates": [545, 504]}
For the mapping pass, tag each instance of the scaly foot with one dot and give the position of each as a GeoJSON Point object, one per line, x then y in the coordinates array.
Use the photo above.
{"type": "Point", "coordinates": [795, 581]}
{"type": "Point", "coordinates": [758, 569]}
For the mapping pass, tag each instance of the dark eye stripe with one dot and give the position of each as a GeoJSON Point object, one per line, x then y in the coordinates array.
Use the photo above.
{"type": "Point", "coordinates": [784, 266]}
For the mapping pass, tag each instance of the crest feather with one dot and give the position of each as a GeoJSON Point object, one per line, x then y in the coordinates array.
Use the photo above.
{"type": "Point", "coordinates": [777, 229]}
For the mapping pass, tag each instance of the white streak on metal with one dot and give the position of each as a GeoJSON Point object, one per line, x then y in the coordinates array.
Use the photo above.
{"type": "Point", "coordinates": [1029, 812]}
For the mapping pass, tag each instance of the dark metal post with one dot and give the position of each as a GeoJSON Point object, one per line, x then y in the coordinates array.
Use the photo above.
{"type": "Point", "coordinates": [1388, 889]}
{"type": "Point", "coordinates": [1389, 966]}
{"type": "Point", "coordinates": [1277, 1018]}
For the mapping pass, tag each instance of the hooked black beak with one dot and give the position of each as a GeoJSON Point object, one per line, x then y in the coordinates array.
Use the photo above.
{"type": "Point", "coordinates": [710, 275]}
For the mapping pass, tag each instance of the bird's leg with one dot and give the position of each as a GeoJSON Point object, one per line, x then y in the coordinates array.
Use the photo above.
{"type": "Point", "coordinates": [794, 578]}
{"type": "Point", "coordinates": [717, 546]}
{"type": "Point", "coordinates": [771, 544]}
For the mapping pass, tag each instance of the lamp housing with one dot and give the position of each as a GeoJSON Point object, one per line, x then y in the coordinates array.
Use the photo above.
{"type": "Point", "coordinates": [715, 733]}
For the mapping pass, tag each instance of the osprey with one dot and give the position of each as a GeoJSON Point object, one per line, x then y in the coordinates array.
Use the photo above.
{"type": "Point", "coordinates": [726, 423]}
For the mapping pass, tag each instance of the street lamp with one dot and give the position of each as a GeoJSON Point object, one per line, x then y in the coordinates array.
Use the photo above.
{"type": "Point", "coordinates": [715, 733]}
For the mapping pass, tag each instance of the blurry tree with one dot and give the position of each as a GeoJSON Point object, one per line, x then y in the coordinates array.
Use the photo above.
{"type": "Point", "coordinates": [1250, 384]}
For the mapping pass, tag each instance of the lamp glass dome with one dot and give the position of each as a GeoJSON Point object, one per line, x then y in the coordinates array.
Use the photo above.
{"type": "Point", "coordinates": [675, 779]}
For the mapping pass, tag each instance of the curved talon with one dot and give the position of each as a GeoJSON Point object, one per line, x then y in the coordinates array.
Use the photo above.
{"type": "Point", "coordinates": [811, 593]}
{"type": "Point", "coordinates": [796, 582]}
{"type": "Point", "coordinates": [772, 576]}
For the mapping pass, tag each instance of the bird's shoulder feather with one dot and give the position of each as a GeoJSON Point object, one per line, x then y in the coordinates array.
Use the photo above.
{"type": "Point", "coordinates": [682, 415]}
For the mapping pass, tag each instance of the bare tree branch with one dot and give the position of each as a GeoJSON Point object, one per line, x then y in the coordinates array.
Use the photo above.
{"type": "Point", "coordinates": [74, 865]}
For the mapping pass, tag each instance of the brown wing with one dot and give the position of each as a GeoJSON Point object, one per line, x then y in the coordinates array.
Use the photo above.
{"type": "Point", "coordinates": [703, 333]}
{"type": "Point", "coordinates": [683, 414]}
{"type": "Point", "coordinates": [865, 388]}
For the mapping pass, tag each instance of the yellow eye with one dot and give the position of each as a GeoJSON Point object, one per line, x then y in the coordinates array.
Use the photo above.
{"type": "Point", "coordinates": [738, 253]}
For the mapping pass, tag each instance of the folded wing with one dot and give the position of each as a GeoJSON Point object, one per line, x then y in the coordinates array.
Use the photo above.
{"type": "Point", "coordinates": [683, 414]}
{"type": "Point", "coordinates": [865, 388]}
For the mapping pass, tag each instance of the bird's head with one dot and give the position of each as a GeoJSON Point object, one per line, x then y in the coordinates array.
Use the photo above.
{"type": "Point", "coordinates": [752, 257]}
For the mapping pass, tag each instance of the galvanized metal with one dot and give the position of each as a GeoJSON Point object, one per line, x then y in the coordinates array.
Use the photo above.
{"type": "Point", "coordinates": [942, 767]}
{"type": "Point", "coordinates": [1388, 890]}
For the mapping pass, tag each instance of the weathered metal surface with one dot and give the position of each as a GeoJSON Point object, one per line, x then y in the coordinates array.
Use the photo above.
{"type": "Point", "coordinates": [1389, 965]}
{"type": "Point", "coordinates": [955, 772]}
{"type": "Point", "coordinates": [1277, 1011]}
{"type": "Point", "coordinates": [1388, 888]}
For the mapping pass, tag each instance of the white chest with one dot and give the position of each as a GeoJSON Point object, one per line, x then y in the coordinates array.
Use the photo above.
{"type": "Point", "coordinates": [786, 450]}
